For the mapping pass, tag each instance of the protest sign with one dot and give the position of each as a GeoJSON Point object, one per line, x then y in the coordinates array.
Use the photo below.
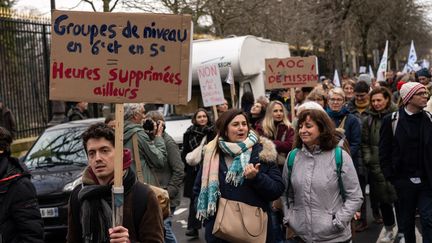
{"type": "Point", "coordinates": [120, 57]}
{"type": "Point", "coordinates": [211, 85]}
{"type": "Point", "coordinates": [282, 73]}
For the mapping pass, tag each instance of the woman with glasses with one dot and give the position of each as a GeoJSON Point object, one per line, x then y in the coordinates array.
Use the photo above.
{"type": "Point", "coordinates": [350, 126]}
{"type": "Point", "coordinates": [344, 120]}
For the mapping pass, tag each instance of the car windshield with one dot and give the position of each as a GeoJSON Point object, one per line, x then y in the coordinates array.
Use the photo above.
{"type": "Point", "coordinates": [58, 147]}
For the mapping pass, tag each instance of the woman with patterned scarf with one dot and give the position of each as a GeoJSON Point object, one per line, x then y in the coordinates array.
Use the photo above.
{"type": "Point", "coordinates": [200, 128]}
{"type": "Point", "coordinates": [238, 165]}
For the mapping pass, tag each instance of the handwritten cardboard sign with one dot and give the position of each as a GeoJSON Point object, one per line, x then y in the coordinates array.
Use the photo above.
{"type": "Point", "coordinates": [120, 57]}
{"type": "Point", "coordinates": [282, 73]}
{"type": "Point", "coordinates": [211, 85]}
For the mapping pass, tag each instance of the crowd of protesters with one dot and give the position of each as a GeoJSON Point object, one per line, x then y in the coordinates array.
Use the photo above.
{"type": "Point", "coordinates": [306, 167]}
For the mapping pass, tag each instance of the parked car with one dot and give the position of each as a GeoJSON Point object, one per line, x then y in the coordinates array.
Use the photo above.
{"type": "Point", "coordinates": [56, 161]}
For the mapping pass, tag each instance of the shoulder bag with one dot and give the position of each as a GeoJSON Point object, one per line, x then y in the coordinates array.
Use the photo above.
{"type": "Point", "coordinates": [239, 222]}
{"type": "Point", "coordinates": [194, 157]}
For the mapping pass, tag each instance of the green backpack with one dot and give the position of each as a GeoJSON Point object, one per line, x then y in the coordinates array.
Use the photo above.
{"type": "Point", "coordinates": [339, 162]}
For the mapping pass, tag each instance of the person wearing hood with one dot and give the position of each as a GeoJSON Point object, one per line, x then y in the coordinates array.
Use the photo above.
{"type": "Point", "coordinates": [7, 119]}
{"type": "Point", "coordinates": [380, 189]}
{"type": "Point", "coordinates": [90, 204]}
{"type": "Point", "coordinates": [20, 217]}
{"type": "Point", "coordinates": [153, 153]}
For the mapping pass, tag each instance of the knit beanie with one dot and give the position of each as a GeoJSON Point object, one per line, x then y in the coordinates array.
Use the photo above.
{"type": "Point", "coordinates": [399, 85]}
{"type": "Point", "coordinates": [423, 72]}
{"type": "Point", "coordinates": [408, 90]}
{"type": "Point", "coordinates": [127, 158]}
{"type": "Point", "coordinates": [365, 78]}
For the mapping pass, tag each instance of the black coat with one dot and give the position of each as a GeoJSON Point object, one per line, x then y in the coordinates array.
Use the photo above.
{"type": "Point", "coordinates": [7, 120]}
{"type": "Point", "coordinates": [20, 219]}
{"type": "Point", "coordinates": [192, 171]}
{"type": "Point", "coordinates": [398, 160]}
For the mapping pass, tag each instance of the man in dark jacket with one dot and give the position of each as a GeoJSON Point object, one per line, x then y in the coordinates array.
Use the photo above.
{"type": "Point", "coordinates": [78, 112]}
{"type": "Point", "coordinates": [90, 212]}
{"type": "Point", "coordinates": [7, 119]}
{"type": "Point", "coordinates": [20, 219]}
{"type": "Point", "coordinates": [405, 156]}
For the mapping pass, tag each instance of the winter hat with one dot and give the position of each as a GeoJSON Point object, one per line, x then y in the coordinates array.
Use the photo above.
{"type": "Point", "coordinates": [423, 72]}
{"type": "Point", "coordinates": [399, 85]}
{"type": "Point", "coordinates": [409, 89]}
{"type": "Point", "coordinates": [365, 77]}
{"type": "Point", "coordinates": [127, 158]}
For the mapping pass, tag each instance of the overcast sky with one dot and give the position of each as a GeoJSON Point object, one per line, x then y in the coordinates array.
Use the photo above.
{"type": "Point", "coordinates": [43, 6]}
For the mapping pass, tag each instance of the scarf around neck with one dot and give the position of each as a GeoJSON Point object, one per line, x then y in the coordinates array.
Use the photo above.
{"type": "Point", "coordinates": [198, 133]}
{"type": "Point", "coordinates": [241, 152]}
{"type": "Point", "coordinates": [96, 211]}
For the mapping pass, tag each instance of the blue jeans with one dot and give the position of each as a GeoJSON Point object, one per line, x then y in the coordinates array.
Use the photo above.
{"type": "Point", "coordinates": [277, 227]}
{"type": "Point", "coordinates": [169, 233]}
{"type": "Point", "coordinates": [410, 197]}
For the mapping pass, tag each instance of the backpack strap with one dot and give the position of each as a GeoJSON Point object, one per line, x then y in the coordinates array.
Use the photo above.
{"type": "Point", "coordinates": [290, 162]}
{"type": "Point", "coordinates": [428, 114]}
{"type": "Point", "coordinates": [394, 119]}
{"type": "Point", "coordinates": [339, 162]}
{"type": "Point", "coordinates": [138, 166]}
{"type": "Point", "coordinates": [342, 124]}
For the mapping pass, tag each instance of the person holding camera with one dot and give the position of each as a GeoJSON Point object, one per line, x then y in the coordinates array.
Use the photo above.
{"type": "Point", "coordinates": [152, 152]}
{"type": "Point", "coordinates": [171, 175]}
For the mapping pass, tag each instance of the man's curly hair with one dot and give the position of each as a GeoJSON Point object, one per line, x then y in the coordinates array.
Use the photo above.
{"type": "Point", "coordinates": [98, 130]}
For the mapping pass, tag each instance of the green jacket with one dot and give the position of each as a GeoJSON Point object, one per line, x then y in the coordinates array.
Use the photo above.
{"type": "Point", "coordinates": [153, 154]}
{"type": "Point", "coordinates": [380, 188]}
{"type": "Point", "coordinates": [172, 174]}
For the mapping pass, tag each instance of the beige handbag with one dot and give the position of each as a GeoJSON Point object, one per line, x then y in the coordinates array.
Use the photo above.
{"type": "Point", "coordinates": [195, 156]}
{"type": "Point", "coordinates": [239, 222]}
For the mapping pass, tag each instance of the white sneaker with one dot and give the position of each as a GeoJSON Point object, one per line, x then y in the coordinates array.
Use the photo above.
{"type": "Point", "coordinates": [388, 236]}
{"type": "Point", "coordinates": [401, 237]}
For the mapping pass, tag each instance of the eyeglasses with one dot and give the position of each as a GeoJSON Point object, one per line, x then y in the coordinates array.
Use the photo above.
{"type": "Point", "coordinates": [424, 94]}
{"type": "Point", "coordinates": [334, 100]}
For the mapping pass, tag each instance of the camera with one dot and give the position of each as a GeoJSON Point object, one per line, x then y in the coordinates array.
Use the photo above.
{"type": "Point", "coordinates": [148, 125]}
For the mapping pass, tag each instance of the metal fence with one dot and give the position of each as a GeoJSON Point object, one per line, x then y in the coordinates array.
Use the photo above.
{"type": "Point", "coordinates": [24, 71]}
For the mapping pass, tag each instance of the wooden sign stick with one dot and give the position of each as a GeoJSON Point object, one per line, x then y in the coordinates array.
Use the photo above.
{"type": "Point", "coordinates": [215, 112]}
{"type": "Point", "coordinates": [117, 189]}
{"type": "Point", "coordinates": [292, 95]}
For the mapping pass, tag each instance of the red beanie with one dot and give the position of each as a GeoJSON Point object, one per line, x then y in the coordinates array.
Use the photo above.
{"type": "Point", "coordinates": [399, 85]}
{"type": "Point", "coordinates": [127, 158]}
